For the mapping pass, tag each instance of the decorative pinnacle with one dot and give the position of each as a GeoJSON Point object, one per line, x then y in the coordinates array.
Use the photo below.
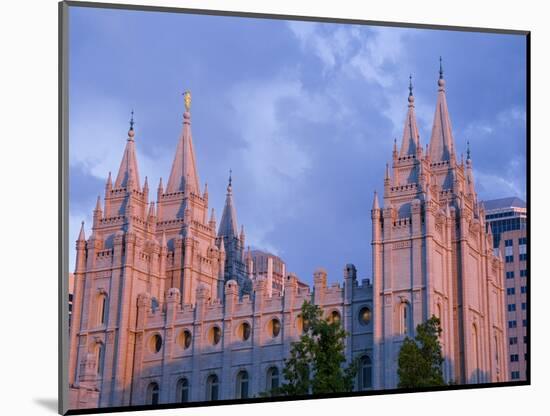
{"type": "Point", "coordinates": [440, 68]}
{"type": "Point", "coordinates": [230, 179]}
{"type": "Point", "coordinates": [468, 150]}
{"type": "Point", "coordinates": [132, 120]}
{"type": "Point", "coordinates": [410, 86]}
{"type": "Point", "coordinates": [187, 100]}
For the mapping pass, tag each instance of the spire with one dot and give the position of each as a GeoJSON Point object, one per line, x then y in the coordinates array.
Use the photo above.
{"type": "Point", "coordinates": [146, 185]}
{"type": "Point", "coordinates": [82, 235]}
{"type": "Point", "coordinates": [410, 142]}
{"type": "Point", "coordinates": [98, 204]}
{"type": "Point", "coordinates": [109, 184]}
{"type": "Point", "coordinates": [470, 189]}
{"type": "Point", "coordinates": [212, 216]}
{"type": "Point", "coordinates": [228, 223]}
{"type": "Point", "coordinates": [375, 204]}
{"type": "Point", "coordinates": [441, 142]}
{"type": "Point", "coordinates": [184, 170]}
{"type": "Point", "coordinates": [128, 169]}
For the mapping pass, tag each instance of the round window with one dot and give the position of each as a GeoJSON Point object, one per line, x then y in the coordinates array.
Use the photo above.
{"type": "Point", "coordinates": [365, 315]}
{"type": "Point", "coordinates": [215, 335]}
{"type": "Point", "coordinates": [185, 339]}
{"type": "Point", "coordinates": [155, 343]}
{"type": "Point", "coordinates": [244, 331]}
{"type": "Point", "coordinates": [334, 317]}
{"type": "Point", "coordinates": [274, 327]}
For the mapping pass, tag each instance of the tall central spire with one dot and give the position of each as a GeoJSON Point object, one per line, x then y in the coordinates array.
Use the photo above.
{"type": "Point", "coordinates": [441, 142]}
{"type": "Point", "coordinates": [411, 138]}
{"type": "Point", "coordinates": [228, 224]}
{"type": "Point", "coordinates": [184, 169]}
{"type": "Point", "coordinates": [128, 166]}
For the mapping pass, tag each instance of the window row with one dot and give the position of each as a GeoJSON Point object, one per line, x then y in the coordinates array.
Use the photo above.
{"type": "Point", "coordinates": [242, 384]}
{"type": "Point", "coordinates": [514, 324]}
{"type": "Point", "coordinates": [244, 330]}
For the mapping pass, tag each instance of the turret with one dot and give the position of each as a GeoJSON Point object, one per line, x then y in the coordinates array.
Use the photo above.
{"type": "Point", "coordinates": [98, 213]}
{"type": "Point", "coordinates": [80, 265]}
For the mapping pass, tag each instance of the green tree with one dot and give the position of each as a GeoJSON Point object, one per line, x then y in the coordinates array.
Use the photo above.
{"type": "Point", "coordinates": [316, 362]}
{"type": "Point", "coordinates": [420, 359]}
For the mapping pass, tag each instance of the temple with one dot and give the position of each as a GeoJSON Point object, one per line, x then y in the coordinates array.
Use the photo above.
{"type": "Point", "coordinates": [170, 307]}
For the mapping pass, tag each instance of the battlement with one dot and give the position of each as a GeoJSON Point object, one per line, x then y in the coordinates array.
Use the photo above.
{"type": "Point", "coordinates": [402, 222]}
{"type": "Point", "coordinates": [406, 187]}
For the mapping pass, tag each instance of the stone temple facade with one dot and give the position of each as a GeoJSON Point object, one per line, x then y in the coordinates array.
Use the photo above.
{"type": "Point", "coordinates": [167, 306]}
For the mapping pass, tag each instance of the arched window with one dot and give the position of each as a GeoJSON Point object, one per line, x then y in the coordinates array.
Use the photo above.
{"type": "Point", "coordinates": [153, 393]}
{"type": "Point", "coordinates": [242, 385]}
{"type": "Point", "coordinates": [365, 373]}
{"type": "Point", "coordinates": [272, 378]}
{"type": "Point", "coordinates": [496, 349]}
{"type": "Point", "coordinates": [99, 357]}
{"type": "Point", "coordinates": [102, 309]}
{"type": "Point", "coordinates": [212, 387]}
{"type": "Point", "coordinates": [440, 316]}
{"type": "Point", "coordinates": [404, 319]}
{"type": "Point", "coordinates": [182, 390]}
{"type": "Point", "coordinates": [154, 304]}
{"type": "Point", "coordinates": [475, 353]}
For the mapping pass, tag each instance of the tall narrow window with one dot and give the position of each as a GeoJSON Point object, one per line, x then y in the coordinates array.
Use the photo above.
{"type": "Point", "coordinates": [212, 387]}
{"type": "Point", "coordinates": [404, 319]}
{"type": "Point", "coordinates": [475, 353]}
{"type": "Point", "coordinates": [183, 390]}
{"type": "Point", "coordinates": [99, 357]}
{"type": "Point", "coordinates": [153, 393]}
{"type": "Point", "coordinates": [365, 373]}
{"type": "Point", "coordinates": [242, 385]}
{"type": "Point", "coordinates": [102, 308]}
{"type": "Point", "coordinates": [272, 378]}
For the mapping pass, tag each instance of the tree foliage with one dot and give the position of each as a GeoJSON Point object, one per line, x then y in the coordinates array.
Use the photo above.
{"type": "Point", "coordinates": [420, 359]}
{"type": "Point", "coordinates": [316, 362]}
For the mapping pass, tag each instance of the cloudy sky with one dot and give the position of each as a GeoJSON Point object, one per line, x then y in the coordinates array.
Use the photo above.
{"type": "Point", "coordinates": [303, 113]}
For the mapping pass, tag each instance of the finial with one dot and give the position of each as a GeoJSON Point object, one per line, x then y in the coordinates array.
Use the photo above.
{"type": "Point", "coordinates": [394, 144]}
{"type": "Point", "coordinates": [187, 100]}
{"type": "Point", "coordinates": [132, 122]}
{"type": "Point", "coordinates": [468, 150]}
{"type": "Point", "coordinates": [410, 85]}
{"type": "Point", "coordinates": [229, 186]}
{"type": "Point", "coordinates": [440, 68]}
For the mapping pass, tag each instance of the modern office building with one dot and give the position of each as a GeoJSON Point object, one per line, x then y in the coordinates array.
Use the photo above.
{"type": "Point", "coordinates": [507, 219]}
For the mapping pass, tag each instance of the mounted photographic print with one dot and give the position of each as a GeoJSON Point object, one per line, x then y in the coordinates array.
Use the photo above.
{"type": "Point", "coordinates": [261, 208]}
